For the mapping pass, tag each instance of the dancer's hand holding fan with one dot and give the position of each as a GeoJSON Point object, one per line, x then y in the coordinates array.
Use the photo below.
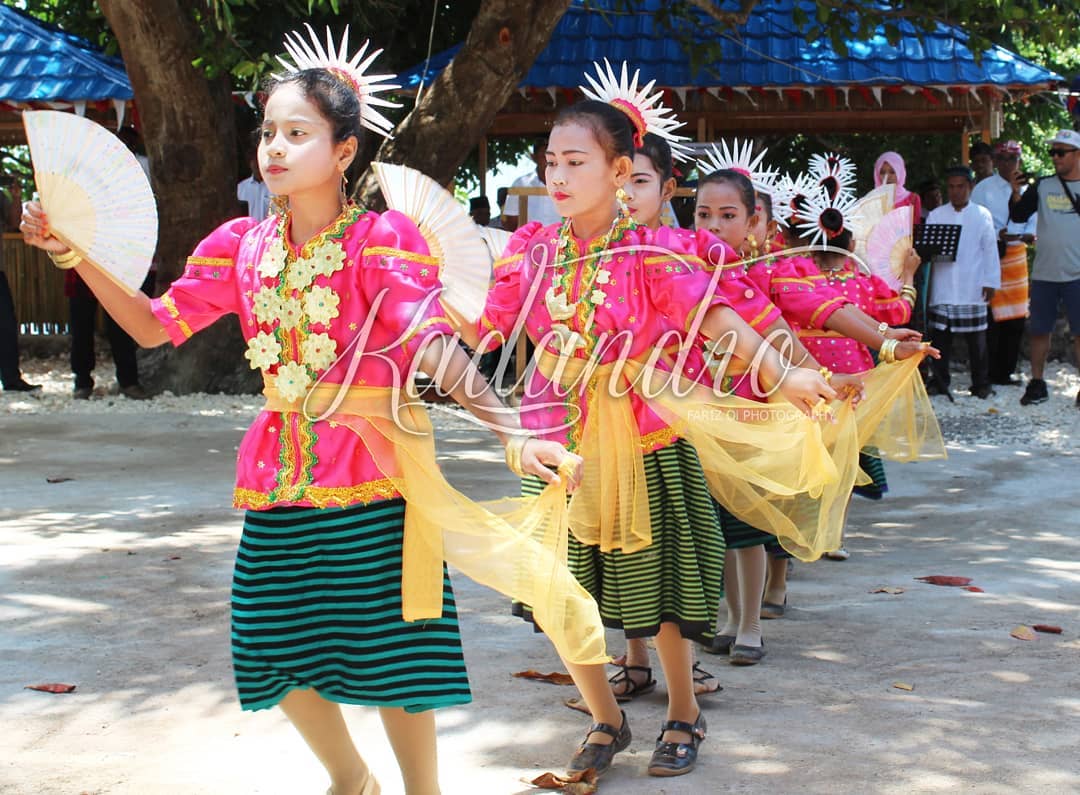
{"type": "Point", "coordinates": [94, 194]}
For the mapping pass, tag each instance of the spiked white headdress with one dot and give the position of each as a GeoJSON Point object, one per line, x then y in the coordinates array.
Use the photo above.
{"type": "Point", "coordinates": [818, 206]}
{"type": "Point", "coordinates": [740, 158]}
{"type": "Point", "coordinates": [349, 70]}
{"type": "Point", "coordinates": [833, 173]}
{"type": "Point", "coordinates": [791, 196]}
{"type": "Point", "coordinates": [646, 112]}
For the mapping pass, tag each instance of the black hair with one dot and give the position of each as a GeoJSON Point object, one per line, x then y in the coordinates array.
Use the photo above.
{"type": "Point", "coordinates": [336, 100]}
{"type": "Point", "coordinates": [540, 143]}
{"type": "Point", "coordinates": [928, 185]}
{"type": "Point", "coordinates": [766, 204]}
{"type": "Point", "coordinates": [837, 235]}
{"type": "Point", "coordinates": [612, 128]}
{"type": "Point", "coordinates": [981, 148]}
{"type": "Point", "coordinates": [959, 171]}
{"type": "Point", "coordinates": [659, 153]}
{"type": "Point", "coordinates": [740, 182]}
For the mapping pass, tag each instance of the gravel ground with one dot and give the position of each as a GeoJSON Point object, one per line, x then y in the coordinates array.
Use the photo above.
{"type": "Point", "coordinates": [997, 421]}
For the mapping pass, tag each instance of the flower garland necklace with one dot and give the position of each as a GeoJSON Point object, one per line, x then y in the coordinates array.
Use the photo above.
{"type": "Point", "coordinates": [291, 304]}
{"type": "Point", "coordinates": [566, 258]}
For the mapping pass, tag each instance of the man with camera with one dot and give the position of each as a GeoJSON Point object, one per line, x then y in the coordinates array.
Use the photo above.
{"type": "Point", "coordinates": [1009, 306]}
{"type": "Point", "coordinates": [1055, 277]}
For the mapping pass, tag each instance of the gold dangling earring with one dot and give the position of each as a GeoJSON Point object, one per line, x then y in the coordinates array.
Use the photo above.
{"type": "Point", "coordinates": [344, 190]}
{"type": "Point", "coordinates": [753, 245]}
{"type": "Point", "coordinates": [622, 197]}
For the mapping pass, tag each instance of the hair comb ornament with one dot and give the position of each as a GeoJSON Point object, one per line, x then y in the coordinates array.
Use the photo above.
{"type": "Point", "coordinates": [350, 70]}
{"type": "Point", "coordinates": [646, 112]}
{"type": "Point", "coordinates": [792, 194]}
{"type": "Point", "coordinates": [833, 173]}
{"type": "Point", "coordinates": [820, 207]}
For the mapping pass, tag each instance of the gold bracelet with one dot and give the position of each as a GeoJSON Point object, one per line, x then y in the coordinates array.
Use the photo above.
{"type": "Point", "coordinates": [514, 448]}
{"type": "Point", "coordinates": [65, 261]}
{"type": "Point", "coordinates": [826, 373]}
{"type": "Point", "coordinates": [888, 351]}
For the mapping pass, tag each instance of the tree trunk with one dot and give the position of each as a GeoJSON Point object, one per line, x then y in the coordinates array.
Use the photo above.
{"type": "Point", "coordinates": [436, 137]}
{"type": "Point", "coordinates": [188, 129]}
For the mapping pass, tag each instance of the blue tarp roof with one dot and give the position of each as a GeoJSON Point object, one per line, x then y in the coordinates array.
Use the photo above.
{"type": "Point", "coordinates": [41, 63]}
{"type": "Point", "coordinates": [768, 51]}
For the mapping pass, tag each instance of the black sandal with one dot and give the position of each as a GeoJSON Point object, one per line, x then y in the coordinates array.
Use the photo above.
{"type": "Point", "coordinates": [632, 688]}
{"type": "Point", "coordinates": [703, 677]}
{"type": "Point", "coordinates": [597, 756]}
{"type": "Point", "coordinates": [677, 759]}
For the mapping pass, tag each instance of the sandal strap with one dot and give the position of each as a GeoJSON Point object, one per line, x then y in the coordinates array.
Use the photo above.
{"type": "Point", "coordinates": [682, 726]}
{"type": "Point", "coordinates": [623, 675]}
{"type": "Point", "coordinates": [607, 728]}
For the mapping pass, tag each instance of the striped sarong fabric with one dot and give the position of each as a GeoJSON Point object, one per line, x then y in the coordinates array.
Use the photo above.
{"type": "Point", "coordinates": [959, 318]}
{"type": "Point", "coordinates": [1011, 300]}
{"type": "Point", "coordinates": [679, 578]}
{"type": "Point", "coordinates": [316, 602]}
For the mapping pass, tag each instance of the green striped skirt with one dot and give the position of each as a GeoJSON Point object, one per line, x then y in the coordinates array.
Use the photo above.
{"type": "Point", "coordinates": [738, 534]}
{"type": "Point", "coordinates": [316, 603]}
{"type": "Point", "coordinates": [873, 466]}
{"type": "Point", "coordinates": [679, 578]}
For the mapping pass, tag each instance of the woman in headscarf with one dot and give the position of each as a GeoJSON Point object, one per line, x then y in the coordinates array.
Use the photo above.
{"type": "Point", "coordinates": [890, 168]}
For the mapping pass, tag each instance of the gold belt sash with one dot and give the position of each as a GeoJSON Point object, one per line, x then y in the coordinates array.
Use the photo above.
{"type": "Point", "coordinates": [516, 546]}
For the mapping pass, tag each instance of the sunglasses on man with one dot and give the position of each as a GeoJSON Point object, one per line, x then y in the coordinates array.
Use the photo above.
{"type": "Point", "coordinates": [1055, 152]}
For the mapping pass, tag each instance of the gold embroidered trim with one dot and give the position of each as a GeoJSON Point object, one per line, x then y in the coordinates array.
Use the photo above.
{"type": "Point", "coordinates": [431, 321]}
{"type": "Point", "coordinates": [663, 437]}
{"type": "Point", "coordinates": [322, 496]}
{"type": "Point", "coordinates": [386, 251]}
{"type": "Point", "coordinates": [174, 313]}
{"type": "Point", "coordinates": [761, 316]}
{"type": "Point", "coordinates": [508, 260]}
{"type": "Point", "coordinates": [817, 312]}
{"type": "Point", "coordinates": [681, 259]}
{"type": "Point", "coordinates": [216, 262]}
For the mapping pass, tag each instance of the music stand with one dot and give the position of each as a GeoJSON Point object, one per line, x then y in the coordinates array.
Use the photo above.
{"type": "Point", "coordinates": [937, 241]}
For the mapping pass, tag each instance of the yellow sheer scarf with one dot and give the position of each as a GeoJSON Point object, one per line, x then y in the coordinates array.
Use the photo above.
{"type": "Point", "coordinates": [896, 415]}
{"type": "Point", "coordinates": [768, 464]}
{"type": "Point", "coordinates": [516, 546]}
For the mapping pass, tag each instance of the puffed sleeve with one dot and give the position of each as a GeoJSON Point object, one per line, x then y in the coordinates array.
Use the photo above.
{"type": "Point", "coordinates": [684, 280]}
{"type": "Point", "coordinates": [806, 301]}
{"type": "Point", "coordinates": [887, 305]}
{"type": "Point", "coordinates": [400, 281]}
{"type": "Point", "coordinates": [207, 289]}
{"type": "Point", "coordinates": [508, 293]}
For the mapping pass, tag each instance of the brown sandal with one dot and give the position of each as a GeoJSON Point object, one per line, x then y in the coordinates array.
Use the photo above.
{"type": "Point", "coordinates": [706, 680]}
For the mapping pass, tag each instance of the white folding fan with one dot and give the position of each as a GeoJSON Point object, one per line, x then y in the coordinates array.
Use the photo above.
{"type": "Point", "coordinates": [888, 244]}
{"type": "Point", "coordinates": [94, 193]}
{"type": "Point", "coordinates": [451, 234]}
{"type": "Point", "coordinates": [871, 208]}
{"type": "Point", "coordinates": [496, 240]}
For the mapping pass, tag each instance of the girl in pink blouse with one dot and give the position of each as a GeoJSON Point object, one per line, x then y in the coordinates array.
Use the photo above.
{"type": "Point", "coordinates": [595, 276]}
{"type": "Point", "coordinates": [319, 605]}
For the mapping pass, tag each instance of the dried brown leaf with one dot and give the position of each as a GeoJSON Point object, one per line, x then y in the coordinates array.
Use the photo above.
{"type": "Point", "coordinates": [974, 589]}
{"type": "Point", "coordinates": [555, 678]}
{"type": "Point", "coordinates": [944, 579]}
{"type": "Point", "coordinates": [1050, 629]}
{"type": "Point", "coordinates": [52, 687]}
{"type": "Point", "coordinates": [1023, 633]}
{"type": "Point", "coordinates": [58, 480]}
{"type": "Point", "coordinates": [903, 686]}
{"type": "Point", "coordinates": [579, 783]}
{"type": "Point", "coordinates": [890, 589]}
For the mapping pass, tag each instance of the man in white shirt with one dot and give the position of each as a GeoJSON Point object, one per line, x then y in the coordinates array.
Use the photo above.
{"type": "Point", "coordinates": [539, 208]}
{"type": "Point", "coordinates": [253, 191]}
{"type": "Point", "coordinates": [960, 290]}
{"type": "Point", "coordinates": [1009, 306]}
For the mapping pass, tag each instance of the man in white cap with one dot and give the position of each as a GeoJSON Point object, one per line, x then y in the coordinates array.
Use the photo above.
{"type": "Point", "coordinates": [1055, 276]}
